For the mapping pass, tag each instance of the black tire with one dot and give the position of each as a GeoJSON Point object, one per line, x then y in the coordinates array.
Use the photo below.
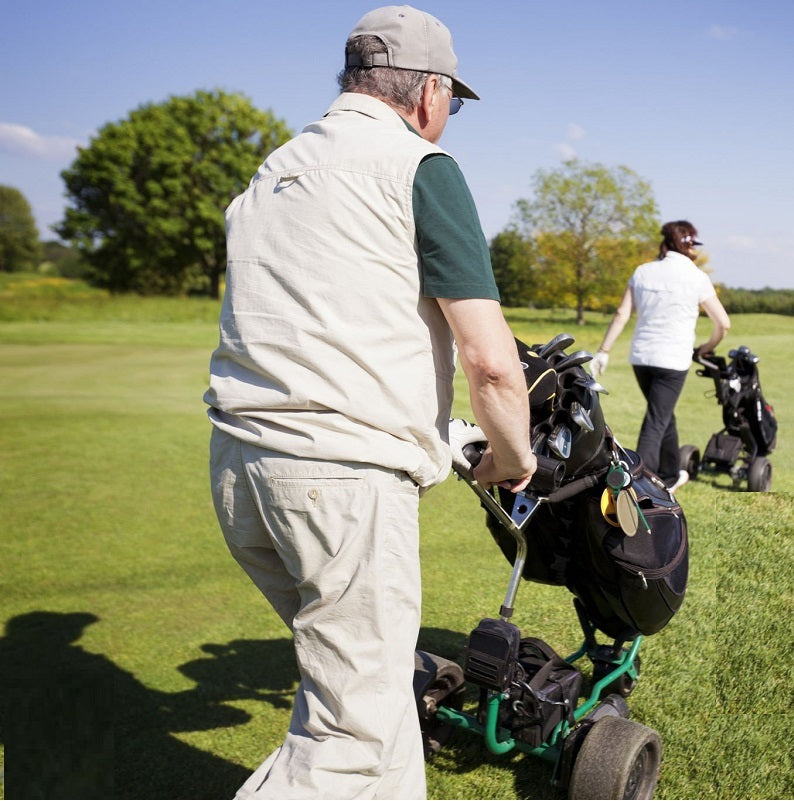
{"type": "Point", "coordinates": [759, 476]}
{"type": "Point", "coordinates": [689, 460]}
{"type": "Point", "coordinates": [437, 682]}
{"type": "Point", "coordinates": [614, 705]}
{"type": "Point", "coordinates": [623, 685]}
{"type": "Point", "coordinates": [619, 758]}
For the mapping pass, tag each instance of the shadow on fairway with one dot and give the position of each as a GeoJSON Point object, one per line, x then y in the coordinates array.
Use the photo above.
{"type": "Point", "coordinates": [443, 642]}
{"type": "Point", "coordinates": [265, 670]}
{"type": "Point", "coordinates": [75, 725]}
{"type": "Point", "coordinates": [262, 670]}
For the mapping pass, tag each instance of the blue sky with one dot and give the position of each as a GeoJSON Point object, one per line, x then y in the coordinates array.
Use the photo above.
{"type": "Point", "coordinates": [696, 96]}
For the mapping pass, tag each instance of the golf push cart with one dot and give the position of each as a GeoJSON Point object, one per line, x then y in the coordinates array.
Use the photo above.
{"type": "Point", "coordinates": [749, 431]}
{"type": "Point", "coordinates": [595, 521]}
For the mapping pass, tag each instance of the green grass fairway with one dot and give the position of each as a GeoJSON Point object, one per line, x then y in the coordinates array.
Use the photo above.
{"type": "Point", "coordinates": [139, 662]}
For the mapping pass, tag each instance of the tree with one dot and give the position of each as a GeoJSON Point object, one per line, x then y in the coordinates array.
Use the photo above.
{"type": "Point", "coordinates": [590, 226]}
{"type": "Point", "coordinates": [61, 260]}
{"type": "Point", "coordinates": [511, 259]}
{"type": "Point", "coordinates": [20, 248]}
{"type": "Point", "coordinates": [149, 192]}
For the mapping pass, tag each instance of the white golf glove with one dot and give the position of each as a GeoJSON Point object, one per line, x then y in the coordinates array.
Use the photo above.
{"type": "Point", "coordinates": [463, 433]}
{"type": "Point", "coordinates": [599, 363]}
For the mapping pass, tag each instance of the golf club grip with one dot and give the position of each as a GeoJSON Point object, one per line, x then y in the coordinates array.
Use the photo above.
{"type": "Point", "coordinates": [473, 453]}
{"type": "Point", "coordinates": [546, 478]}
{"type": "Point", "coordinates": [574, 488]}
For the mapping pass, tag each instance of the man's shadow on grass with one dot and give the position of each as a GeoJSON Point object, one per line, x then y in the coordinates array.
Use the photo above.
{"type": "Point", "coordinates": [259, 670]}
{"type": "Point", "coordinates": [76, 725]}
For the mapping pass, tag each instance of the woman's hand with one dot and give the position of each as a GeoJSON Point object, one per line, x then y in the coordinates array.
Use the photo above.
{"type": "Point", "coordinates": [599, 363]}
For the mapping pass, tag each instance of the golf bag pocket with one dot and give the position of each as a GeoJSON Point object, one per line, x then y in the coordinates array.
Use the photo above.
{"type": "Point", "coordinates": [545, 691]}
{"type": "Point", "coordinates": [763, 425]}
{"type": "Point", "coordinates": [634, 584]}
{"type": "Point", "coordinates": [491, 654]}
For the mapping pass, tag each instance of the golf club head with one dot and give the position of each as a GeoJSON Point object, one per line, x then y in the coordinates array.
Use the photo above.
{"type": "Point", "coordinates": [560, 342]}
{"type": "Point", "coordinates": [573, 360]}
{"type": "Point", "coordinates": [591, 384]}
{"type": "Point", "coordinates": [581, 417]}
{"type": "Point", "coordinates": [560, 440]}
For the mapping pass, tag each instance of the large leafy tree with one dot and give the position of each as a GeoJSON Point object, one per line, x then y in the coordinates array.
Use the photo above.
{"type": "Point", "coordinates": [590, 226]}
{"type": "Point", "coordinates": [20, 248]}
{"type": "Point", "coordinates": [148, 193]}
{"type": "Point", "coordinates": [511, 259]}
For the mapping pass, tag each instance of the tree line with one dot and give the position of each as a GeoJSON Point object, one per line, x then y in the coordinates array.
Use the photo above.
{"type": "Point", "coordinates": [145, 202]}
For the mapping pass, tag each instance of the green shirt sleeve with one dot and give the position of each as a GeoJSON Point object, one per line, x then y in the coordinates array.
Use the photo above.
{"type": "Point", "coordinates": [455, 261]}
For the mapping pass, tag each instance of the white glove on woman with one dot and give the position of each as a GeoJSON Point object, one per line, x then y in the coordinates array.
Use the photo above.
{"type": "Point", "coordinates": [463, 433]}
{"type": "Point", "coordinates": [599, 363]}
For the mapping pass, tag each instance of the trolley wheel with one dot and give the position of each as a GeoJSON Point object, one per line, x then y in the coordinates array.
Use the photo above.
{"type": "Point", "coordinates": [623, 685]}
{"type": "Point", "coordinates": [614, 705]}
{"type": "Point", "coordinates": [689, 460]}
{"type": "Point", "coordinates": [759, 476]}
{"type": "Point", "coordinates": [437, 682]}
{"type": "Point", "coordinates": [619, 758]}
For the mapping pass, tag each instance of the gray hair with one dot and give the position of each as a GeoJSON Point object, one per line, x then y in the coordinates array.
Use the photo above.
{"type": "Point", "coordinates": [399, 87]}
{"type": "Point", "coordinates": [445, 82]}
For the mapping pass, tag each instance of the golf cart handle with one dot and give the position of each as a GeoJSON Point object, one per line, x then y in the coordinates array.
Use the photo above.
{"type": "Point", "coordinates": [703, 360]}
{"type": "Point", "coordinates": [545, 479]}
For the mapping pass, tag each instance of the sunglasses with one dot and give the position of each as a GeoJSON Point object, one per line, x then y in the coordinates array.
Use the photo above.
{"type": "Point", "coordinates": [455, 105]}
{"type": "Point", "coordinates": [691, 240]}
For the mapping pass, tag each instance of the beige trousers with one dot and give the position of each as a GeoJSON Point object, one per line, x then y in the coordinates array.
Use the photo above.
{"type": "Point", "coordinates": [335, 550]}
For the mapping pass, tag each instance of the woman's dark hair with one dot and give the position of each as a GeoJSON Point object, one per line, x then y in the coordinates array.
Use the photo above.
{"type": "Point", "coordinates": [678, 236]}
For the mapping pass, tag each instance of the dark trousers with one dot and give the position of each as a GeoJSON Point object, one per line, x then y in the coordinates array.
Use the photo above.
{"type": "Point", "coordinates": [658, 440]}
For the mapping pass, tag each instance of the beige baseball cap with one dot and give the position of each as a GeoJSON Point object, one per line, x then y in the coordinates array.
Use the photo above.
{"type": "Point", "coordinates": [414, 40]}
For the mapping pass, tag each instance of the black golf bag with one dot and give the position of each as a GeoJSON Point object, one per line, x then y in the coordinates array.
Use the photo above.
{"type": "Point", "coordinates": [748, 419]}
{"type": "Point", "coordinates": [627, 583]}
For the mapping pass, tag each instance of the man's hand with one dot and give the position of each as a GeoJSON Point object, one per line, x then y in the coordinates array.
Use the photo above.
{"type": "Point", "coordinates": [488, 474]}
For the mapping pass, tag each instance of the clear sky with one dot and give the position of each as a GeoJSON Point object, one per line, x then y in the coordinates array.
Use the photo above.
{"type": "Point", "coordinates": [696, 96]}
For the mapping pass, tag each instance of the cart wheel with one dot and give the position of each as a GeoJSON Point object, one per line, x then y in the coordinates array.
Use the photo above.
{"type": "Point", "coordinates": [759, 476]}
{"type": "Point", "coordinates": [689, 460]}
{"type": "Point", "coordinates": [623, 685]}
{"type": "Point", "coordinates": [619, 758]}
{"type": "Point", "coordinates": [437, 682]}
{"type": "Point", "coordinates": [614, 705]}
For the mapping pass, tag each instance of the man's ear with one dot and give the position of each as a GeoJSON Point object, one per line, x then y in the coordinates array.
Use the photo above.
{"type": "Point", "coordinates": [429, 102]}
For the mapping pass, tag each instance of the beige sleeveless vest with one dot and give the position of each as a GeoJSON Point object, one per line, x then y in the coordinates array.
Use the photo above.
{"type": "Point", "coordinates": [328, 350]}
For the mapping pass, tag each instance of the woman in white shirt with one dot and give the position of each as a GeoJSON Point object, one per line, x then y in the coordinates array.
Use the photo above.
{"type": "Point", "coordinates": [666, 294]}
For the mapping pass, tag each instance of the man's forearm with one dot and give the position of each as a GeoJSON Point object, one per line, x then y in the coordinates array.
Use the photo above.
{"type": "Point", "coordinates": [501, 409]}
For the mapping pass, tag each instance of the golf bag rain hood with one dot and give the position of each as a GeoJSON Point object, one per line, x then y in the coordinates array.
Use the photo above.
{"type": "Point", "coordinates": [627, 585]}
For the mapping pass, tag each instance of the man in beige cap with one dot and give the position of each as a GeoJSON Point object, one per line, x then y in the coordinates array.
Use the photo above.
{"type": "Point", "coordinates": [356, 262]}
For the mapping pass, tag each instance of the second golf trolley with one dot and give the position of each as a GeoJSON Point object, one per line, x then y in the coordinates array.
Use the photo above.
{"type": "Point", "coordinates": [592, 520]}
{"type": "Point", "coordinates": [749, 432]}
